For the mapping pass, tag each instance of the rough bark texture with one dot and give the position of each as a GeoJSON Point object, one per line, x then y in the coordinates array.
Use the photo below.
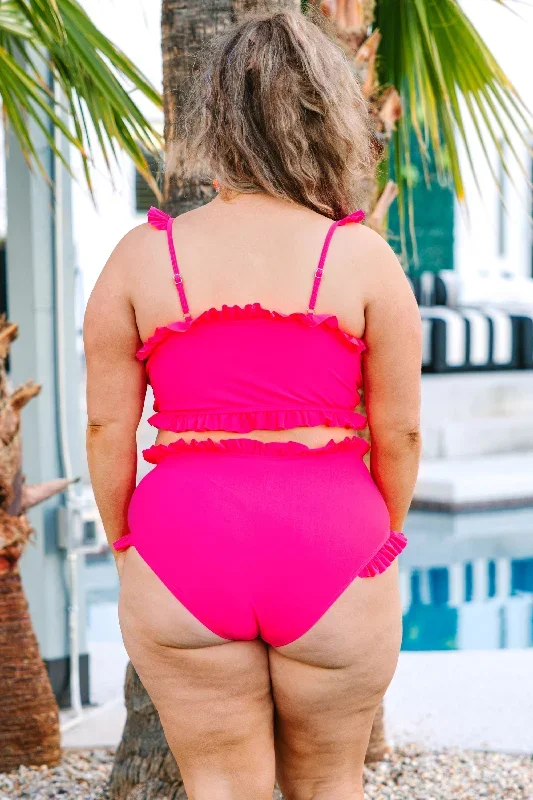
{"type": "Point", "coordinates": [29, 728]}
{"type": "Point", "coordinates": [144, 767]}
{"type": "Point", "coordinates": [29, 717]}
{"type": "Point", "coordinates": [186, 25]}
{"type": "Point", "coordinates": [242, 7]}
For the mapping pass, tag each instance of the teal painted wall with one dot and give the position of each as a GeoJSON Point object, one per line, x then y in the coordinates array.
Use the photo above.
{"type": "Point", "coordinates": [434, 222]}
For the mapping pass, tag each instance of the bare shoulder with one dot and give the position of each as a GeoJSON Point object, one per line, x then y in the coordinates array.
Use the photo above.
{"type": "Point", "coordinates": [373, 250]}
{"type": "Point", "coordinates": [391, 310]}
{"type": "Point", "coordinates": [377, 266]}
{"type": "Point", "coordinates": [131, 251]}
{"type": "Point", "coordinates": [127, 262]}
{"type": "Point", "coordinates": [109, 306]}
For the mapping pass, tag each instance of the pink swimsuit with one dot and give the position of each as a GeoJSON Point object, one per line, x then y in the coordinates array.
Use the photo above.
{"type": "Point", "coordinates": [254, 538]}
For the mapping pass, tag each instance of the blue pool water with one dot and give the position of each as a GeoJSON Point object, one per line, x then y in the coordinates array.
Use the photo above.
{"type": "Point", "coordinates": [466, 582]}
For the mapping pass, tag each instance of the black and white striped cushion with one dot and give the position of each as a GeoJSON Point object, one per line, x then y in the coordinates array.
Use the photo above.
{"type": "Point", "coordinates": [436, 289]}
{"type": "Point", "coordinates": [523, 322]}
{"type": "Point", "coordinates": [469, 339]}
{"type": "Point", "coordinates": [448, 288]}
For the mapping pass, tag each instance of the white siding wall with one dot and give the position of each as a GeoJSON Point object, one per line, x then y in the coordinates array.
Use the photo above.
{"type": "Point", "coordinates": [134, 26]}
{"type": "Point", "coordinates": [476, 237]}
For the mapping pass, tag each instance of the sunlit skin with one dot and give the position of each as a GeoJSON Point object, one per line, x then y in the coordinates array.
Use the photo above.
{"type": "Point", "coordinates": [218, 700]}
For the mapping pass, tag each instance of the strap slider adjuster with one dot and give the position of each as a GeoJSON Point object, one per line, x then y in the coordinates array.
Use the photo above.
{"type": "Point", "coordinates": [177, 278]}
{"type": "Point", "coordinates": [319, 272]}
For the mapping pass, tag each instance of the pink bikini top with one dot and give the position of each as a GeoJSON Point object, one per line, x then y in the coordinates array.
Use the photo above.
{"type": "Point", "coordinates": [247, 368]}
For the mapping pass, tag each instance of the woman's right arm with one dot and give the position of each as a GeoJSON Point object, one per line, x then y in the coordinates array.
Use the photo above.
{"type": "Point", "coordinates": [392, 378]}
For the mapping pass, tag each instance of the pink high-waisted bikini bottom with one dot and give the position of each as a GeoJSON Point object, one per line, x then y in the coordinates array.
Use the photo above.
{"type": "Point", "coordinates": [259, 539]}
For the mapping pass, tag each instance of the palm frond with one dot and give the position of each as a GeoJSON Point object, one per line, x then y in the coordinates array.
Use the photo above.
{"type": "Point", "coordinates": [450, 84]}
{"type": "Point", "coordinates": [43, 39]}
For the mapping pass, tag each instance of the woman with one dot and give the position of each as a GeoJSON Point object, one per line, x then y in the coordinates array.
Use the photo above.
{"type": "Point", "coordinates": [259, 594]}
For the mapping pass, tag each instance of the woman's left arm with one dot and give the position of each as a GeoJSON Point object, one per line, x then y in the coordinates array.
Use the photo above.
{"type": "Point", "coordinates": [116, 388]}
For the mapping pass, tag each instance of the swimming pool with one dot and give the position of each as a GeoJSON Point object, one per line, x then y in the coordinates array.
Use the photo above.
{"type": "Point", "coordinates": [467, 580]}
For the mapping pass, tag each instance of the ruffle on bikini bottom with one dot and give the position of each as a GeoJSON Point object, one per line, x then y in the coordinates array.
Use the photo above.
{"type": "Point", "coordinates": [158, 452]}
{"type": "Point", "coordinates": [385, 555]}
{"type": "Point", "coordinates": [379, 562]}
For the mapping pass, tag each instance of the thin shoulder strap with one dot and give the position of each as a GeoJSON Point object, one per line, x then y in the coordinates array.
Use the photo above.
{"type": "Point", "coordinates": [356, 216]}
{"type": "Point", "coordinates": [163, 222]}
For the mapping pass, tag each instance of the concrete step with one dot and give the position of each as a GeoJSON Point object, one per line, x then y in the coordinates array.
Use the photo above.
{"type": "Point", "coordinates": [478, 437]}
{"type": "Point", "coordinates": [457, 484]}
{"type": "Point", "coordinates": [476, 395]}
{"type": "Point", "coordinates": [476, 414]}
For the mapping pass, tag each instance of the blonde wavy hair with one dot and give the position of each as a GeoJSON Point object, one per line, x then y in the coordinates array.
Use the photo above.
{"type": "Point", "coordinates": [275, 107]}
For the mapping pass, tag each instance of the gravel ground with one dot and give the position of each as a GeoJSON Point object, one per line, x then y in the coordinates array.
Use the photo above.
{"type": "Point", "coordinates": [408, 773]}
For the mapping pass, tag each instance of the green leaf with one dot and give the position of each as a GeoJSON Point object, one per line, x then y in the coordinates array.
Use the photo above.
{"type": "Point", "coordinates": [447, 76]}
{"type": "Point", "coordinates": [47, 42]}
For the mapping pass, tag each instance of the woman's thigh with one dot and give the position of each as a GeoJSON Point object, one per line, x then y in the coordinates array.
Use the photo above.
{"type": "Point", "coordinates": [327, 686]}
{"type": "Point", "coordinates": [212, 695]}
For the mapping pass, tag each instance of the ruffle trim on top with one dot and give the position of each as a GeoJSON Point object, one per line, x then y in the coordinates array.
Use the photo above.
{"type": "Point", "coordinates": [158, 452]}
{"type": "Point", "coordinates": [385, 555]}
{"type": "Point", "coordinates": [246, 421]}
{"type": "Point", "coordinates": [250, 311]}
{"type": "Point", "coordinates": [157, 218]}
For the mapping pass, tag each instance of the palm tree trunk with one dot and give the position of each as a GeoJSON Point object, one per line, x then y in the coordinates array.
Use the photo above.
{"type": "Point", "coordinates": [242, 7]}
{"type": "Point", "coordinates": [144, 767]}
{"type": "Point", "coordinates": [29, 729]}
{"type": "Point", "coordinates": [29, 716]}
{"type": "Point", "coordinates": [186, 25]}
